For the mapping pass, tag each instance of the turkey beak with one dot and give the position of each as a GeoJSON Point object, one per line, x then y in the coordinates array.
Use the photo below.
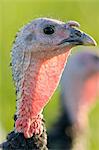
{"type": "Point", "coordinates": [78, 37]}
{"type": "Point", "coordinates": [87, 40]}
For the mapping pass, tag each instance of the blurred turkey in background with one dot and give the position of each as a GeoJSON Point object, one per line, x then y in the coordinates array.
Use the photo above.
{"type": "Point", "coordinates": [13, 15]}
{"type": "Point", "coordinates": [79, 89]}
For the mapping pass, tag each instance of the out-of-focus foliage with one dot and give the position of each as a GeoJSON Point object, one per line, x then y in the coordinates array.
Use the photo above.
{"type": "Point", "coordinates": [16, 13]}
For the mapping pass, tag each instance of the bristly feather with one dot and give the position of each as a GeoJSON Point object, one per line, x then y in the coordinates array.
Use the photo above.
{"type": "Point", "coordinates": [17, 141]}
{"type": "Point", "coordinates": [38, 61]}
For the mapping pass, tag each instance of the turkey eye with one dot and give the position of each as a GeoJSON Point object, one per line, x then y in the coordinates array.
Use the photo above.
{"type": "Point", "coordinates": [49, 30]}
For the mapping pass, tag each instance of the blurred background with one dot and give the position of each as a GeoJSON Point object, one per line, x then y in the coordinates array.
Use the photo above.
{"type": "Point", "coordinates": [13, 15]}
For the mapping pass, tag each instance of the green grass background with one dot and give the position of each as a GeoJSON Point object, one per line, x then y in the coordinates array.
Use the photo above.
{"type": "Point", "coordinates": [16, 13]}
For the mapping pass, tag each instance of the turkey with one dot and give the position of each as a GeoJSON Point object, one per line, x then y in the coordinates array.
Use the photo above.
{"type": "Point", "coordinates": [39, 54]}
{"type": "Point", "coordinates": [79, 88]}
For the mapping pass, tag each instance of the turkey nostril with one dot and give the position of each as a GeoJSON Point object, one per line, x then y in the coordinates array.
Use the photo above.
{"type": "Point", "coordinates": [78, 33]}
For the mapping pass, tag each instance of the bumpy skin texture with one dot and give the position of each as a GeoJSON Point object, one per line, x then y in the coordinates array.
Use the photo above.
{"type": "Point", "coordinates": [17, 141]}
{"type": "Point", "coordinates": [37, 79]}
{"type": "Point", "coordinates": [39, 54]}
{"type": "Point", "coordinates": [38, 60]}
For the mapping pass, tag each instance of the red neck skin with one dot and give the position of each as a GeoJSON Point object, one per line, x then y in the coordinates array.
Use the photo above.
{"type": "Point", "coordinates": [90, 91]}
{"type": "Point", "coordinates": [40, 80]}
{"type": "Point", "coordinates": [91, 88]}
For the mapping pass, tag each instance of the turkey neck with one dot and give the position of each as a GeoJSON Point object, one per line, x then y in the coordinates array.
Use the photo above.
{"type": "Point", "coordinates": [36, 81]}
